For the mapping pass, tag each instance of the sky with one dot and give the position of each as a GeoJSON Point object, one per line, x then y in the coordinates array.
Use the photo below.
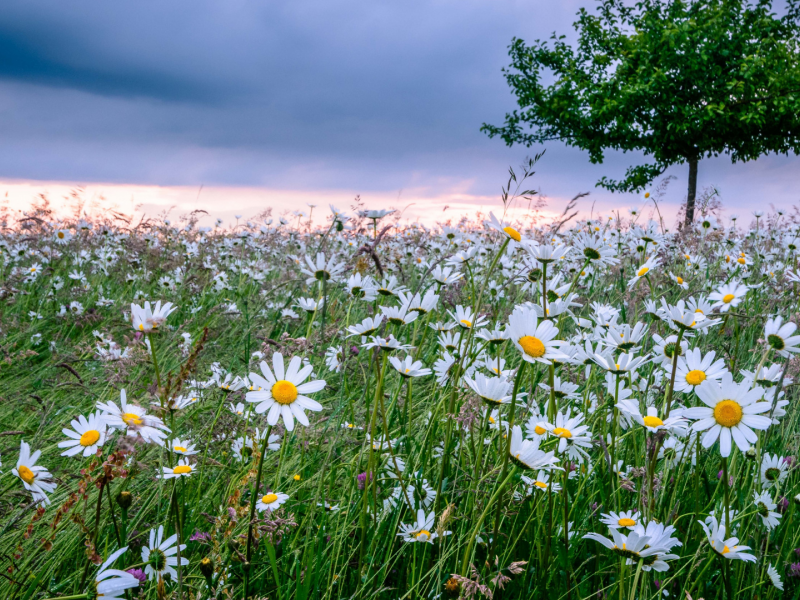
{"type": "Point", "coordinates": [236, 106]}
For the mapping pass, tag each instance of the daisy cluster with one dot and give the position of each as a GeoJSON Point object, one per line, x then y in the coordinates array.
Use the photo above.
{"type": "Point", "coordinates": [272, 407]}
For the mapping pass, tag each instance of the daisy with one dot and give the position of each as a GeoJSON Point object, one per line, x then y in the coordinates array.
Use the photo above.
{"type": "Point", "coordinates": [678, 280]}
{"type": "Point", "coordinates": [421, 530]}
{"type": "Point", "coordinates": [573, 438]}
{"type": "Point", "coordinates": [545, 253]}
{"type": "Point", "coordinates": [526, 454]}
{"type": "Point", "coordinates": [283, 393]}
{"type": "Point", "coordinates": [594, 249]}
{"type": "Point", "coordinates": [182, 469]}
{"type": "Point", "coordinates": [134, 420]}
{"type": "Point", "coordinates": [506, 230]}
{"type": "Point", "coordinates": [321, 269]}
{"type": "Point", "coordinates": [363, 288]}
{"type": "Point", "coordinates": [625, 338]}
{"type": "Point", "coordinates": [665, 349]}
{"type": "Point", "coordinates": [682, 317]}
{"type": "Point", "coordinates": [37, 480]}
{"type": "Point", "coordinates": [466, 319]}
{"type": "Point", "coordinates": [147, 319]}
{"type": "Point", "coordinates": [367, 327]}
{"type": "Point", "coordinates": [541, 482]}
{"type": "Point", "coordinates": [408, 367]}
{"type": "Point", "coordinates": [726, 548]}
{"type": "Point", "coordinates": [398, 315]}
{"type": "Point", "coordinates": [780, 336]}
{"type": "Point", "coordinates": [624, 363]}
{"type": "Point", "coordinates": [310, 305]}
{"type": "Point", "coordinates": [86, 436]}
{"type": "Point", "coordinates": [624, 520]}
{"type": "Point", "coordinates": [728, 295]}
{"type": "Point", "coordinates": [774, 470]}
{"type": "Point", "coordinates": [634, 547]}
{"type": "Point", "coordinates": [561, 389]}
{"type": "Point", "coordinates": [186, 448]}
{"type": "Point", "coordinates": [386, 344]}
{"type": "Point", "coordinates": [732, 410]}
{"type": "Point", "coordinates": [651, 421]}
{"type": "Point", "coordinates": [445, 275]}
{"type": "Point", "coordinates": [694, 368]}
{"type": "Point", "coordinates": [774, 577]}
{"type": "Point", "coordinates": [535, 340]}
{"type": "Point", "coordinates": [766, 510]}
{"type": "Point", "coordinates": [159, 555]}
{"type": "Point", "coordinates": [110, 584]}
{"type": "Point", "coordinates": [643, 270]}
{"type": "Point", "coordinates": [493, 390]}
{"type": "Point", "coordinates": [271, 501]}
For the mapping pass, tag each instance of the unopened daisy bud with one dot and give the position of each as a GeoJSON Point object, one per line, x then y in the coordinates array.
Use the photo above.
{"type": "Point", "coordinates": [207, 567]}
{"type": "Point", "coordinates": [751, 453]}
{"type": "Point", "coordinates": [452, 587]}
{"type": "Point", "coordinates": [124, 499]}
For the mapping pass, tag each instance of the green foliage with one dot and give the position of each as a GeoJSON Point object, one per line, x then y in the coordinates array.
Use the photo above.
{"type": "Point", "coordinates": [678, 81]}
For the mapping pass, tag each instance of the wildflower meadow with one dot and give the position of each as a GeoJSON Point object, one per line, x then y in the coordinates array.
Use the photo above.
{"type": "Point", "coordinates": [501, 407]}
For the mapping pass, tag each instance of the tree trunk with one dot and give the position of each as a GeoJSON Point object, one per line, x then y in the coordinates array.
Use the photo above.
{"type": "Point", "coordinates": [692, 193]}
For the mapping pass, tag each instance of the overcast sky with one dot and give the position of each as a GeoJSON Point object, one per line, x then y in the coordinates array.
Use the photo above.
{"type": "Point", "coordinates": [381, 98]}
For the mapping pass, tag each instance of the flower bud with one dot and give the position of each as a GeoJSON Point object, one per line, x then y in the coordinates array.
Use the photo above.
{"type": "Point", "coordinates": [124, 499]}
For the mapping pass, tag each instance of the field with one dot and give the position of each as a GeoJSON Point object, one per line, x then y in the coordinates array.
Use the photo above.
{"type": "Point", "coordinates": [482, 409]}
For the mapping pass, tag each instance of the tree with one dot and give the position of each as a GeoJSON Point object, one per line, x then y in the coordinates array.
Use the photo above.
{"type": "Point", "coordinates": [677, 80]}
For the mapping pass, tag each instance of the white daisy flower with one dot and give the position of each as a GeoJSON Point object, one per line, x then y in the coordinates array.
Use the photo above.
{"type": "Point", "coordinates": [110, 584]}
{"type": "Point", "coordinates": [283, 393]}
{"type": "Point", "coordinates": [37, 480]}
{"type": "Point", "coordinates": [536, 341]}
{"type": "Point", "coordinates": [421, 530]}
{"type": "Point", "coordinates": [780, 336]}
{"type": "Point", "coordinates": [182, 469]}
{"type": "Point", "coordinates": [732, 411]}
{"type": "Point", "coordinates": [134, 420]}
{"type": "Point", "coordinates": [271, 501]}
{"type": "Point", "coordinates": [86, 436]}
{"type": "Point", "coordinates": [184, 447]}
{"type": "Point", "coordinates": [160, 555]}
{"type": "Point", "coordinates": [726, 548]}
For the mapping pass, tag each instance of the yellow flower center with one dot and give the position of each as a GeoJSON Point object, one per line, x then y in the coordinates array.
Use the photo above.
{"type": "Point", "coordinates": [728, 413]}
{"type": "Point", "coordinates": [491, 420]}
{"type": "Point", "coordinates": [540, 484]}
{"type": "Point", "coordinates": [512, 233]}
{"type": "Point", "coordinates": [695, 377]}
{"type": "Point", "coordinates": [284, 392]}
{"type": "Point", "coordinates": [180, 449]}
{"type": "Point", "coordinates": [269, 498]}
{"type": "Point", "coordinates": [422, 532]}
{"type": "Point", "coordinates": [741, 261]}
{"type": "Point", "coordinates": [61, 235]}
{"type": "Point", "coordinates": [562, 433]}
{"type": "Point", "coordinates": [652, 421]}
{"type": "Point", "coordinates": [181, 469]}
{"type": "Point", "coordinates": [725, 550]}
{"type": "Point", "coordinates": [699, 310]}
{"type": "Point", "coordinates": [728, 298]}
{"type": "Point", "coordinates": [626, 522]}
{"type": "Point", "coordinates": [539, 430]}
{"type": "Point", "coordinates": [532, 346]}
{"type": "Point", "coordinates": [90, 438]}
{"type": "Point", "coordinates": [297, 478]}
{"type": "Point", "coordinates": [643, 271]}
{"type": "Point", "coordinates": [466, 323]}
{"type": "Point", "coordinates": [679, 280]}
{"type": "Point", "coordinates": [141, 326]}
{"type": "Point", "coordinates": [26, 474]}
{"type": "Point", "coordinates": [131, 419]}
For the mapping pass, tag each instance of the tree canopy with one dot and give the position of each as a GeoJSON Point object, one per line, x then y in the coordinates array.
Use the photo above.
{"type": "Point", "coordinates": [677, 80]}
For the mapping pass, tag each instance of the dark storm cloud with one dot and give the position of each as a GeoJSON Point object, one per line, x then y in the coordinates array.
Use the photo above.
{"type": "Point", "coordinates": [306, 94]}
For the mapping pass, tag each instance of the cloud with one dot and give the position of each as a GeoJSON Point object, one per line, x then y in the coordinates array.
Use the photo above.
{"type": "Point", "coordinates": [378, 97]}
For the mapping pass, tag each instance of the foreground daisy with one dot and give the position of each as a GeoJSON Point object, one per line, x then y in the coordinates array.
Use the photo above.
{"type": "Point", "coordinates": [535, 340]}
{"type": "Point", "coordinates": [780, 336]}
{"type": "Point", "coordinates": [37, 480]}
{"type": "Point", "coordinates": [694, 368]}
{"type": "Point", "coordinates": [271, 501]}
{"type": "Point", "coordinates": [726, 548]}
{"type": "Point", "coordinates": [184, 447]}
{"type": "Point", "coordinates": [283, 393]}
{"type": "Point", "coordinates": [147, 319]}
{"type": "Point", "coordinates": [526, 454]}
{"type": "Point", "coordinates": [421, 530]}
{"type": "Point", "coordinates": [86, 436]}
{"type": "Point", "coordinates": [408, 367]}
{"type": "Point", "coordinates": [624, 520]}
{"type": "Point", "coordinates": [636, 546]}
{"type": "Point", "coordinates": [493, 390]}
{"type": "Point", "coordinates": [134, 420]}
{"type": "Point", "coordinates": [159, 555]}
{"type": "Point", "coordinates": [728, 295]}
{"type": "Point", "coordinates": [111, 584]}
{"type": "Point", "coordinates": [732, 411]}
{"type": "Point", "coordinates": [182, 469]}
